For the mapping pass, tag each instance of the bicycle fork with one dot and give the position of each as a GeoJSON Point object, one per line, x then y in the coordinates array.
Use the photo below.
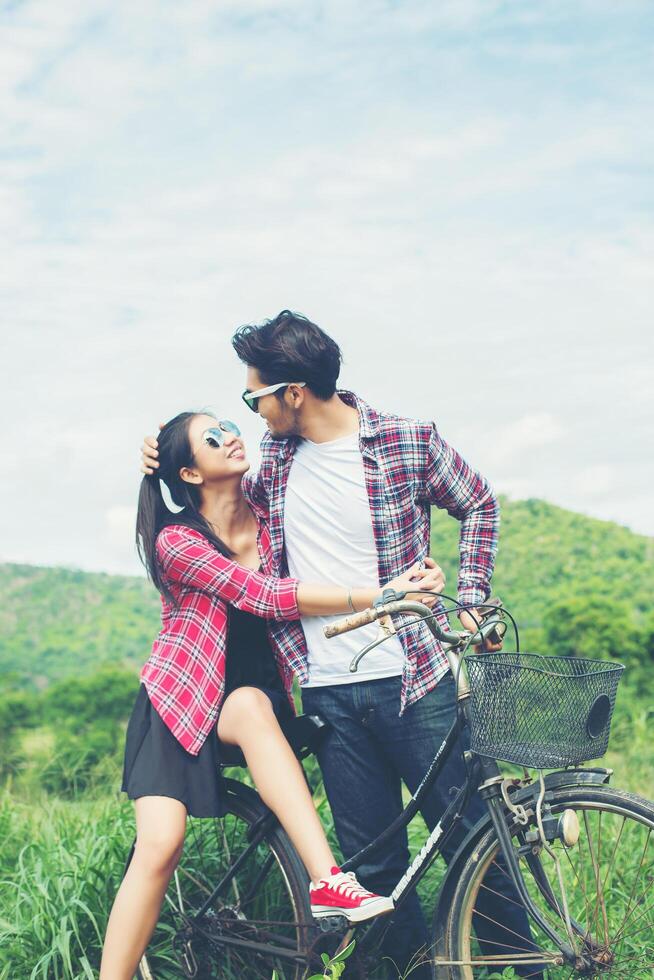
{"type": "Point", "coordinates": [491, 791]}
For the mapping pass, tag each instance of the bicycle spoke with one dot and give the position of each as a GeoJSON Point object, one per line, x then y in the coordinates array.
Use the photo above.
{"type": "Point", "coordinates": [630, 906]}
{"type": "Point", "coordinates": [614, 853]}
{"type": "Point", "coordinates": [519, 950]}
{"type": "Point", "coordinates": [228, 855]}
{"type": "Point", "coordinates": [195, 831]}
{"type": "Point", "coordinates": [502, 926]}
{"type": "Point", "coordinates": [579, 879]}
{"type": "Point", "coordinates": [583, 871]}
{"type": "Point", "coordinates": [619, 936]}
{"type": "Point", "coordinates": [200, 885]}
{"type": "Point", "coordinates": [599, 897]}
{"type": "Point", "coordinates": [606, 877]}
{"type": "Point", "coordinates": [504, 898]}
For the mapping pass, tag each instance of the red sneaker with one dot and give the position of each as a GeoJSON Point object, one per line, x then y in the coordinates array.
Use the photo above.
{"type": "Point", "coordinates": [341, 894]}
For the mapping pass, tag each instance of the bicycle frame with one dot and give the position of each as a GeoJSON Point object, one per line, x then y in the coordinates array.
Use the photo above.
{"type": "Point", "coordinates": [482, 775]}
{"type": "Point", "coordinates": [257, 833]}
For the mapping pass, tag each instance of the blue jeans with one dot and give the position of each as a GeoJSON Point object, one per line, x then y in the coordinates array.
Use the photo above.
{"type": "Point", "coordinates": [367, 753]}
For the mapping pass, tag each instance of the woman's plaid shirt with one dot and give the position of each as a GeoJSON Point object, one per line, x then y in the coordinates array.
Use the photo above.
{"type": "Point", "coordinates": [185, 673]}
{"type": "Point", "coordinates": [408, 467]}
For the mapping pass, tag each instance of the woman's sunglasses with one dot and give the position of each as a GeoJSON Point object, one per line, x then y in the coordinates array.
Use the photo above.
{"type": "Point", "coordinates": [251, 398]}
{"type": "Point", "coordinates": [215, 436]}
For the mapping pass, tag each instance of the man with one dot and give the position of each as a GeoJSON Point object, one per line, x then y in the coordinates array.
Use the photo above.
{"type": "Point", "coordinates": [348, 492]}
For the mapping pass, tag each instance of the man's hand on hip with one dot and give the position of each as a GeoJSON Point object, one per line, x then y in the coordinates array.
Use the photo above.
{"type": "Point", "coordinates": [470, 621]}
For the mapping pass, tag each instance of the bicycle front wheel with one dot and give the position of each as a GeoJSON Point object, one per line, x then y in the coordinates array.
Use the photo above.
{"type": "Point", "coordinates": [260, 922]}
{"type": "Point", "coordinates": [606, 879]}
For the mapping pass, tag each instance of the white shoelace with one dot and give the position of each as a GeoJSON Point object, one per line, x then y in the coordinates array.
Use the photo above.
{"type": "Point", "coordinates": [346, 884]}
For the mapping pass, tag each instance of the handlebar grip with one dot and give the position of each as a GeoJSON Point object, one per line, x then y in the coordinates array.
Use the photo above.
{"type": "Point", "coordinates": [351, 623]}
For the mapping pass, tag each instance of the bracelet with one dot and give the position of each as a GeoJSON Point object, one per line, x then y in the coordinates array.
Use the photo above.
{"type": "Point", "coordinates": [349, 600]}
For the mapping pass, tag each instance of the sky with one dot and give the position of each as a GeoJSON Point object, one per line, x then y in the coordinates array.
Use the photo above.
{"type": "Point", "coordinates": [459, 192]}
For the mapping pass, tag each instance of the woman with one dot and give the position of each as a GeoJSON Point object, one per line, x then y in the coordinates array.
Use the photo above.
{"type": "Point", "coordinates": [212, 672]}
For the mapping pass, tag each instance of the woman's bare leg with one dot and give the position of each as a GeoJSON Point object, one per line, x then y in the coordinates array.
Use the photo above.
{"type": "Point", "coordinates": [248, 720]}
{"type": "Point", "coordinates": [160, 826]}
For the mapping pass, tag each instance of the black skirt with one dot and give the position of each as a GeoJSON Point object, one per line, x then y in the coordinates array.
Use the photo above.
{"type": "Point", "coordinates": [157, 765]}
{"type": "Point", "coordinates": [155, 762]}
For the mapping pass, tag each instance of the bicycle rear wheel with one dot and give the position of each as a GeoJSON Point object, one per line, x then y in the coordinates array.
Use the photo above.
{"type": "Point", "coordinates": [608, 878]}
{"type": "Point", "coordinates": [266, 903]}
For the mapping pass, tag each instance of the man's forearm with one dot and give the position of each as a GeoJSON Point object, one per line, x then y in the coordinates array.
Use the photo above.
{"type": "Point", "coordinates": [477, 548]}
{"type": "Point", "coordinates": [453, 485]}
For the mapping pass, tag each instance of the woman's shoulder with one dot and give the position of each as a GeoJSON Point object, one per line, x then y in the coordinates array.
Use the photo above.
{"type": "Point", "coordinates": [175, 534]}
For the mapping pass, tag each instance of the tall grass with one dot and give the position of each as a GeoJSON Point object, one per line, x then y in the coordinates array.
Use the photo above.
{"type": "Point", "coordinates": [60, 865]}
{"type": "Point", "coordinates": [61, 861]}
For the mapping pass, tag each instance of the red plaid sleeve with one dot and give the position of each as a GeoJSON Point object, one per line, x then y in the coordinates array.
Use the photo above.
{"type": "Point", "coordinates": [450, 483]}
{"type": "Point", "coordinates": [188, 559]}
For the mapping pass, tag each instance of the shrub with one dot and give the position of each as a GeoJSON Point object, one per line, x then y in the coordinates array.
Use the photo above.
{"type": "Point", "coordinates": [77, 758]}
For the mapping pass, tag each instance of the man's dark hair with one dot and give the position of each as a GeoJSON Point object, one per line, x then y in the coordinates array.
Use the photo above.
{"type": "Point", "coordinates": [290, 348]}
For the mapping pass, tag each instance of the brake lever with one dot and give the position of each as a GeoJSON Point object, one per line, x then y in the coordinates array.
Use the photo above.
{"type": "Point", "coordinates": [387, 627]}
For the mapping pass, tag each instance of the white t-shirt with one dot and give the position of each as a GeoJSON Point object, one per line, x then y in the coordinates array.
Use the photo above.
{"type": "Point", "coordinates": [329, 538]}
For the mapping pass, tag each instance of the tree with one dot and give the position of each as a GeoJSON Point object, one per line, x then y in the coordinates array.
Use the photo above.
{"type": "Point", "coordinates": [107, 695]}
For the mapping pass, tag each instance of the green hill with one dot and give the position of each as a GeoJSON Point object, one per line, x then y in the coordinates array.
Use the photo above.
{"type": "Point", "coordinates": [56, 622]}
{"type": "Point", "coordinates": [547, 554]}
{"type": "Point", "coordinates": [552, 565]}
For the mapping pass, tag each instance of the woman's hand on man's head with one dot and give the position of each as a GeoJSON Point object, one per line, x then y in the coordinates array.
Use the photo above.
{"type": "Point", "coordinates": [149, 453]}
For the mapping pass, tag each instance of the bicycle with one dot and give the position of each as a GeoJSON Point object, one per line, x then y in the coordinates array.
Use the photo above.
{"type": "Point", "coordinates": [570, 849]}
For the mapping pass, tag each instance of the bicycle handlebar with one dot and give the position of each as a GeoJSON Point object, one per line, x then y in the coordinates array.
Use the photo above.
{"type": "Point", "coordinates": [490, 624]}
{"type": "Point", "coordinates": [388, 608]}
{"type": "Point", "coordinates": [351, 623]}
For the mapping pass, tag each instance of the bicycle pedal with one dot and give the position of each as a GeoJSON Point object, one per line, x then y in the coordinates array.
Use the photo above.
{"type": "Point", "coordinates": [333, 923]}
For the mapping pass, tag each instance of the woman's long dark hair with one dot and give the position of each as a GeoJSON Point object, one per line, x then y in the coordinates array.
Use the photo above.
{"type": "Point", "coordinates": [152, 514]}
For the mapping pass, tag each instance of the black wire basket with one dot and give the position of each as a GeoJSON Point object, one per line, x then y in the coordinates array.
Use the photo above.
{"type": "Point", "coordinates": [540, 712]}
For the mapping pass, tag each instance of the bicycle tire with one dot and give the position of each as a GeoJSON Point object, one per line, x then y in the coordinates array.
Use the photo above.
{"type": "Point", "coordinates": [620, 930]}
{"type": "Point", "coordinates": [197, 874]}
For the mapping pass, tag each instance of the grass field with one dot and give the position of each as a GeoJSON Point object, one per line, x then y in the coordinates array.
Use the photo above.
{"type": "Point", "coordinates": [61, 860]}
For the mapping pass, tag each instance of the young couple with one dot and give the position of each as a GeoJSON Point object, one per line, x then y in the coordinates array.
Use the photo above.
{"type": "Point", "coordinates": [342, 498]}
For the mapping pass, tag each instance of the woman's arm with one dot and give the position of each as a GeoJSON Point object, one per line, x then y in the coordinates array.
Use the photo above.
{"type": "Point", "coordinates": [323, 600]}
{"type": "Point", "coordinates": [187, 558]}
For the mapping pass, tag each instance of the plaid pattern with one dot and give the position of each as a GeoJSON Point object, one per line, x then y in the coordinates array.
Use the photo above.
{"type": "Point", "coordinates": [185, 672]}
{"type": "Point", "coordinates": [408, 467]}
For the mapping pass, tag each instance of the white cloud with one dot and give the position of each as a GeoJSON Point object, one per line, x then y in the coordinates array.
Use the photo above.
{"type": "Point", "coordinates": [472, 231]}
{"type": "Point", "coordinates": [528, 432]}
{"type": "Point", "coordinates": [120, 519]}
{"type": "Point", "coordinates": [594, 481]}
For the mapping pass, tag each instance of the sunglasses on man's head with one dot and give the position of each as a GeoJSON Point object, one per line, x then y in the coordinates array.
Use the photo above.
{"type": "Point", "coordinates": [215, 436]}
{"type": "Point", "coordinates": [251, 398]}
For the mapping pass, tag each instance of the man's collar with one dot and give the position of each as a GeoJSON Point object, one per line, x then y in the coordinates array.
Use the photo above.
{"type": "Point", "coordinates": [368, 425]}
{"type": "Point", "coordinates": [368, 417]}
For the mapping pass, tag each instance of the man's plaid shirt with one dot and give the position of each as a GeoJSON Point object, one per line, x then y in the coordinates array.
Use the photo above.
{"type": "Point", "coordinates": [408, 467]}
